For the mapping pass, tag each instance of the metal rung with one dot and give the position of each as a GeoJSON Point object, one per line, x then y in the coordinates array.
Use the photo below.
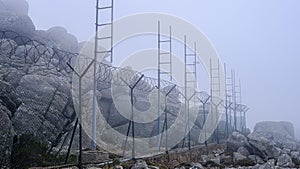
{"type": "Point", "coordinates": [190, 72]}
{"type": "Point", "coordinates": [163, 63]}
{"type": "Point", "coordinates": [165, 53]}
{"type": "Point", "coordinates": [109, 51]}
{"type": "Point", "coordinates": [191, 54]}
{"type": "Point", "coordinates": [106, 7]}
{"type": "Point", "coordinates": [165, 72]}
{"type": "Point", "coordinates": [102, 38]}
{"type": "Point", "coordinates": [163, 41]}
{"type": "Point", "coordinates": [104, 24]}
{"type": "Point", "coordinates": [215, 69]}
{"type": "Point", "coordinates": [190, 64]}
{"type": "Point", "coordinates": [190, 81]}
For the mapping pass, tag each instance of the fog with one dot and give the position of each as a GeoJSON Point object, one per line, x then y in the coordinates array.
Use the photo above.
{"type": "Point", "coordinates": [259, 39]}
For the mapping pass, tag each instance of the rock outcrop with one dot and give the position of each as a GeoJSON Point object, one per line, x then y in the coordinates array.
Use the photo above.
{"type": "Point", "coordinates": [35, 97]}
{"type": "Point", "coordinates": [13, 17]}
{"type": "Point", "coordinates": [275, 130]}
{"type": "Point", "coordinates": [271, 144]}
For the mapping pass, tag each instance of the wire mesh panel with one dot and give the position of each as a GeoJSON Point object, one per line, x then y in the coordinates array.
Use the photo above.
{"type": "Point", "coordinates": [42, 79]}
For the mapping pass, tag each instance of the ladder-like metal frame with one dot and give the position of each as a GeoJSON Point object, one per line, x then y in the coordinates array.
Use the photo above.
{"type": "Point", "coordinates": [215, 80]}
{"type": "Point", "coordinates": [234, 99]}
{"type": "Point", "coordinates": [238, 96]}
{"type": "Point", "coordinates": [229, 98]}
{"type": "Point", "coordinates": [97, 51]}
{"type": "Point", "coordinates": [100, 38]}
{"type": "Point", "coordinates": [163, 62]}
{"type": "Point", "coordinates": [190, 80]}
{"type": "Point", "coordinates": [164, 54]}
{"type": "Point", "coordinates": [190, 69]}
{"type": "Point", "coordinates": [215, 87]}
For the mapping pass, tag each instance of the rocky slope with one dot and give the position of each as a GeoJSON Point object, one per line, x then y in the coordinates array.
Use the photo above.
{"type": "Point", "coordinates": [264, 148]}
{"type": "Point", "coordinates": [35, 99]}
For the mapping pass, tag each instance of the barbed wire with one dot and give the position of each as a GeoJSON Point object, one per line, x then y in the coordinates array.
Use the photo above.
{"type": "Point", "coordinates": [34, 56]}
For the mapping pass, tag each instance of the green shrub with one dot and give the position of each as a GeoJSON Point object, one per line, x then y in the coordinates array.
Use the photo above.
{"type": "Point", "coordinates": [116, 161]}
{"type": "Point", "coordinates": [30, 152]}
{"type": "Point", "coordinates": [213, 164]}
{"type": "Point", "coordinates": [296, 162]}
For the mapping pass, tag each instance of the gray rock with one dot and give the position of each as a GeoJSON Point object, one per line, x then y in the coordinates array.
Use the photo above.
{"type": "Point", "coordinates": [289, 143]}
{"type": "Point", "coordinates": [263, 147]}
{"type": "Point", "coordinates": [277, 130]}
{"type": "Point", "coordinates": [256, 159]}
{"type": "Point", "coordinates": [204, 159]}
{"type": "Point", "coordinates": [58, 37]}
{"type": "Point", "coordinates": [20, 7]}
{"type": "Point", "coordinates": [140, 164]}
{"type": "Point", "coordinates": [153, 167]}
{"type": "Point", "coordinates": [46, 111]}
{"type": "Point", "coordinates": [282, 133]}
{"type": "Point", "coordinates": [271, 161]}
{"type": "Point", "coordinates": [243, 151]}
{"type": "Point", "coordinates": [285, 161]}
{"type": "Point", "coordinates": [295, 155]}
{"type": "Point", "coordinates": [216, 160]}
{"type": "Point", "coordinates": [118, 167]}
{"type": "Point", "coordinates": [273, 151]}
{"type": "Point", "coordinates": [13, 76]}
{"type": "Point", "coordinates": [257, 166]}
{"type": "Point", "coordinates": [7, 47]}
{"type": "Point", "coordinates": [285, 151]}
{"type": "Point", "coordinates": [237, 157]}
{"type": "Point", "coordinates": [267, 166]}
{"type": "Point", "coordinates": [196, 166]}
{"type": "Point", "coordinates": [23, 25]}
{"type": "Point", "coordinates": [8, 97]}
{"type": "Point", "coordinates": [235, 141]}
{"type": "Point", "coordinates": [13, 17]}
{"type": "Point", "coordinates": [236, 136]}
{"type": "Point", "coordinates": [6, 139]}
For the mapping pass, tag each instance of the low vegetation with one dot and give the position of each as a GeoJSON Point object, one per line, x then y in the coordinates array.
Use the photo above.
{"type": "Point", "coordinates": [29, 152]}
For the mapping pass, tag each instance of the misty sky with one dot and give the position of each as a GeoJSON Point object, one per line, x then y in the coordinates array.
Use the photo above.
{"type": "Point", "coordinates": [259, 39]}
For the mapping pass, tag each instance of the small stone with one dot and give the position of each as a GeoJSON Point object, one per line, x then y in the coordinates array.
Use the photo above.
{"type": "Point", "coordinates": [118, 167]}
{"type": "Point", "coordinates": [285, 151]}
{"type": "Point", "coordinates": [237, 157]}
{"type": "Point", "coordinates": [216, 160]}
{"type": "Point", "coordinates": [196, 166]}
{"type": "Point", "coordinates": [256, 159]}
{"type": "Point", "coordinates": [267, 166]}
{"type": "Point", "coordinates": [153, 167]}
{"type": "Point", "coordinates": [285, 161]}
{"type": "Point", "coordinates": [243, 151]}
{"type": "Point", "coordinates": [271, 162]}
{"type": "Point", "coordinates": [295, 155]}
{"type": "Point", "coordinates": [140, 164]}
{"type": "Point", "coordinates": [204, 158]}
